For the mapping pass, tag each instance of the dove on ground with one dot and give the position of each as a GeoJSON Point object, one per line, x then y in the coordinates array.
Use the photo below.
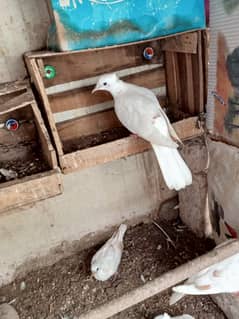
{"type": "Point", "coordinates": [166, 316]}
{"type": "Point", "coordinates": [222, 277]}
{"type": "Point", "coordinates": [139, 111]}
{"type": "Point", "coordinates": [106, 260]}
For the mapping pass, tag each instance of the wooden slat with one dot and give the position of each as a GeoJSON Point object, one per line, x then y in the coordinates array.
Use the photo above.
{"type": "Point", "coordinates": [48, 151]}
{"type": "Point", "coordinates": [121, 148]}
{"type": "Point", "coordinates": [198, 77]}
{"type": "Point", "coordinates": [172, 78]}
{"type": "Point", "coordinates": [83, 97]}
{"type": "Point", "coordinates": [85, 64]}
{"type": "Point", "coordinates": [205, 58]}
{"type": "Point", "coordinates": [185, 43]}
{"type": "Point", "coordinates": [189, 87]}
{"type": "Point", "coordinates": [28, 190]}
{"type": "Point", "coordinates": [86, 125]}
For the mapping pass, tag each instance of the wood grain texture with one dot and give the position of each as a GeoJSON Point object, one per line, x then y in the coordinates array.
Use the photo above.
{"type": "Point", "coordinates": [29, 190]}
{"type": "Point", "coordinates": [185, 43]}
{"type": "Point", "coordinates": [121, 148]}
{"type": "Point", "coordinates": [85, 64]}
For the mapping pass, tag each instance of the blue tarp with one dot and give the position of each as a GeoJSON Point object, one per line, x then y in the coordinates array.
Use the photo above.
{"type": "Point", "coordinates": [81, 24]}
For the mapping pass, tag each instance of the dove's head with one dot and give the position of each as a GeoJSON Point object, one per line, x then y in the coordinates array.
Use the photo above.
{"type": "Point", "coordinates": [99, 270]}
{"type": "Point", "coordinates": [164, 316]}
{"type": "Point", "coordinates": [107, 82]}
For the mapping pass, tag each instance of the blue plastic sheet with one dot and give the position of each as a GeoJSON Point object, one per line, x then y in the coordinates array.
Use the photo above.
{"type": "Point", "coordinates": [81, 24]}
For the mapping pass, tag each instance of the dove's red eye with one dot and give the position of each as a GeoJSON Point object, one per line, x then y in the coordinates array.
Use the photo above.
{"type": "Point", "coordinates": [105, 83]}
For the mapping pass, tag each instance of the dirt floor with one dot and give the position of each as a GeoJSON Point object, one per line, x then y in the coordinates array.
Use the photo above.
{"type": "Point", "coordinates": [67, 289]}
{"type": "Point", "coordinates": [34, 163]}
{"type": "Point", "coordinates": [95, 139]}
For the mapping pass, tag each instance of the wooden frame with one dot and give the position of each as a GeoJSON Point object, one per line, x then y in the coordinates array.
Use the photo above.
{"type": "Point", "coordinates": [17, 98]}
{"type": "Point", "coordinates": [70, 91]}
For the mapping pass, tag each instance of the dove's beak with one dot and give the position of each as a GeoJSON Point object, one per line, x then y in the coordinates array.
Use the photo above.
{"type": "Point", "coordinates": [97, 88]}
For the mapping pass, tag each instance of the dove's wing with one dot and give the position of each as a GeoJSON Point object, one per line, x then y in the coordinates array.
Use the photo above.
{"type": "Point", "coordinates": [140, 113]}
{"type": "Point", "coordinates": [158, 110]}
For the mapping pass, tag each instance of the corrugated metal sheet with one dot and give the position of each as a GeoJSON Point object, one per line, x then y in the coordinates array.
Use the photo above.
{"type": "Point", "coordinates": [223, 20]}
{"type": "Point", "coordinates": [23, 27]}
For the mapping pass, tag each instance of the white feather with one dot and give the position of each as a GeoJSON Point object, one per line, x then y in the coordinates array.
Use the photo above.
{"type": "Point", "coordinates": [166, 316]}
{"type": "Point", "coordinates": [222, 277]}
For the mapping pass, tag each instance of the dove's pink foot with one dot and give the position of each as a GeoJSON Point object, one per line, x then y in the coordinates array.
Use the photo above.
{"type": "Point", "coordinates": [134, 135]}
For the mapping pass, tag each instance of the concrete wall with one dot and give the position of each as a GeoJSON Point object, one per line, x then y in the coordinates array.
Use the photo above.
{"type": "Point", "coordinates": [23, 27]}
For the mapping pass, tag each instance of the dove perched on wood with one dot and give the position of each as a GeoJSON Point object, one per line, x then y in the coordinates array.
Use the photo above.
{"type": "Point", "coordinates": [139, 111]}
{"type": "Point", "coordinates": [166, 316]}
{"type": "Point", "coordinates": [222, 277]}
{"type": "Point", "coordinates": [106, 261]}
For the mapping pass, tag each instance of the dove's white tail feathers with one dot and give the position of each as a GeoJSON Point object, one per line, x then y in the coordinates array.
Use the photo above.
{"type": "Point", "coordinates": [175, 297]}
{"type": "Point", "coordinates": [192, 290]}
{"type": "Point", "coordinates": [176, 173]}
{"type": "Point", "coordinates": [119, 234]}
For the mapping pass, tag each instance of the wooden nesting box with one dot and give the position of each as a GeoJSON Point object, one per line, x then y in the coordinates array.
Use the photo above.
{"type": "Point", "coordinates": [84, 127]}
{"type": "Point", "coordinates": [28, 163]}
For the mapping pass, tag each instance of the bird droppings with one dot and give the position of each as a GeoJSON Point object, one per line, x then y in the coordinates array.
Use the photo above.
{"type": "Point", "coordinates": [67, 288]}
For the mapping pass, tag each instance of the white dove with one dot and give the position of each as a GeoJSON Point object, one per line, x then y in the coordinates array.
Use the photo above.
{"type": "Point", "coordinates": [166, 316]}
{"type": "Point", "coordinates": [222, 277]}
{"type": "Point", "coordinates": [106, 260]}
{"type": "Point", "coordinates": [139, 111]}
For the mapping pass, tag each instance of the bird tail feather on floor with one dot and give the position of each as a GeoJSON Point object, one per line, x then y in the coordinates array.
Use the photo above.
{"type": "Point", "coordinates": [175, 297]}
{"type": "Point", "coordinates": [176, 173]}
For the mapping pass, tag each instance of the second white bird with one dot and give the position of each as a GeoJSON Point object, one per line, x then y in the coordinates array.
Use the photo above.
{"type": "Point", "coordinates": [106, 260]}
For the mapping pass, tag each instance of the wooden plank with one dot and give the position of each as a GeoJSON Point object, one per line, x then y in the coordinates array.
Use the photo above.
{"type": "Point", "coordinates": [185, 43]}
{"type": "Point", "coordinates": [44, 54]}
{"type": "Point", "coordinates": [13, 87]}
{"type": "Point", "coordinates": [48, 151]}
{"type": "Point", "coordinates": [85, 64]}
{"type": "Point", "coordinates": [172, 78]}
{"type": "Point", "coordinates": [121, 148]}
{"type": "Point", "coordinates": [28, 190]}
{"type": "Point", "coordinates": [37, 79]}
{"type": "Point", "coordinates": [83, 97]}
{"type": "Point", "coordinates": [205, 58]}
{"type": "Point", "coordinates": [86, 125]}
{"type": "Point", "coordinates": [189, 87]}
{"type": "Point", "coordinates": [198, 77]}
{"type": "Point", "coordinates": [17, 102]}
